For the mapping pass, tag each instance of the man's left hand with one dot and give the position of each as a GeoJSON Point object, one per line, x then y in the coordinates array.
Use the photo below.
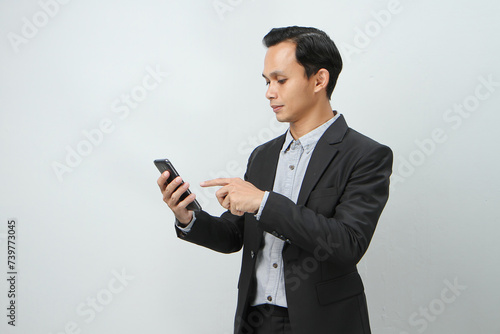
{"type": "Point", "coordinates": [236, 195]}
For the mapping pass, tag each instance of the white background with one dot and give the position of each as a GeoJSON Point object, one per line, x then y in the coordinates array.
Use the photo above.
{"type": "Point", "coordinates": [403, 74]}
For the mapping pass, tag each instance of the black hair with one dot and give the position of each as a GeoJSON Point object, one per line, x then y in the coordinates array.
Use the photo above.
{"type": "Point", "coordinates": [314, 50]}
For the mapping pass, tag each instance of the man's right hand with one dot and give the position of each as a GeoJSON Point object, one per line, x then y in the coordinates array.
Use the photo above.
{"type": "Point", "coordinates": [171, 194]}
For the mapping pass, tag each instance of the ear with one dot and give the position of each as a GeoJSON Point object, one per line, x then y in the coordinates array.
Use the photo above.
{"type": "Point", "coordinates": [322, 78]}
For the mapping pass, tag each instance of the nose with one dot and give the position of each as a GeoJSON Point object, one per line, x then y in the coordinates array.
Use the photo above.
{"type": "Point", "coordinates": [271, 92]}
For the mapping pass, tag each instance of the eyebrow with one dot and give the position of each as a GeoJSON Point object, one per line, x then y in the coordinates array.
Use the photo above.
{"type": "Point", "coordinates": [274, 74]}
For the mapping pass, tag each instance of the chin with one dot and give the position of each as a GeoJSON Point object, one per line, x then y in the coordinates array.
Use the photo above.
{"type": "Point", "coordinates": [282, 118]}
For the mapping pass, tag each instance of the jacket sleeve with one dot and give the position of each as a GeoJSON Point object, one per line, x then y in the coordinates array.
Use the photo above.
{"type": "Point", "coordinates": [222, 234]}
{"type": "Point", "coordinates": [346, 235]}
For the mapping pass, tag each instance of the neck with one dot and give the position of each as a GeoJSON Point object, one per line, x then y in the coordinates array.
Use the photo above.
{"type": "Point", "coordinates": [310, 122]}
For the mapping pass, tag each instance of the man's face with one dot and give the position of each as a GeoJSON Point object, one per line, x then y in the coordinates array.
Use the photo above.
{"type": "Point", "coordinates": [290, 92]}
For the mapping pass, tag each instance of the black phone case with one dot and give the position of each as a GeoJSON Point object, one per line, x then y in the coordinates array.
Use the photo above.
{"type": "Point", "coordinates": [164, 165]}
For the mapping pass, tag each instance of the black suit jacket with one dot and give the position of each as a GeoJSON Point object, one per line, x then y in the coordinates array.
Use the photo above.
{"type": "Point", "coordinates": [327, 231]}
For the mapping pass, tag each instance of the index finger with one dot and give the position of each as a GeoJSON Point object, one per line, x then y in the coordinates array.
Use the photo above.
{"type": "Point", "coordinates": [163, 179]}
{"type": "Point", "coordinates": [216, 182]}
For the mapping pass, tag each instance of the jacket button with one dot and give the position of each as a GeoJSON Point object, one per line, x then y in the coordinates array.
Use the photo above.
{"type": "Point", "coordinates": [252, 254]}
{"type": "Point", "coordinates": [275, 234]}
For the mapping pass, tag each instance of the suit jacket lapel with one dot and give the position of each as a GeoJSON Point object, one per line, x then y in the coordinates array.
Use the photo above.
{"type": "Point", "coordinates": [322, 156]}
{"type": "Point", "coordinates": [268, 164]}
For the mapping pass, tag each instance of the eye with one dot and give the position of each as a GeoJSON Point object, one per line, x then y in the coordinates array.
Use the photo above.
{"type": "Point", "coordinates": [267, 83]}
{"type": "Point", "coordinates": [282, 81]}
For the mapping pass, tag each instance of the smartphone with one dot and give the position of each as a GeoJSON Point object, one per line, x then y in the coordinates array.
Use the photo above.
{"type": "Point", "coordinates": [164, 165]}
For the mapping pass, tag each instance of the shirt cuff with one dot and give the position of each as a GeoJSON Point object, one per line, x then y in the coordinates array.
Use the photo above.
{"type": "Point", "coordinates": [186, 229]}
{"type": "Point", "coordinates": [262, 204]}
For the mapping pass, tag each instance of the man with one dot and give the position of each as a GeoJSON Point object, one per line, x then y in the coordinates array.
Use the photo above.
{"type": "Point", "coordinates": [308, 205]}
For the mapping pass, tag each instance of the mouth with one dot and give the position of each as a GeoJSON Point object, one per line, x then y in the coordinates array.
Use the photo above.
{"type": "Point", "coordinates": [276, 108]}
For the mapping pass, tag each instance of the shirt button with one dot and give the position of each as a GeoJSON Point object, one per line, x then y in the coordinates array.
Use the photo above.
{"type": "Point", "coordinates": [270, 298]}
{"type": "Point", "coordinates": [275, 265]}
{"type": "Point", "coordinates": [292, 167]}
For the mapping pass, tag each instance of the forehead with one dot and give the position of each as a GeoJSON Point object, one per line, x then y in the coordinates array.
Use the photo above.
{"type": "Point", "coordinates": [280, 59]}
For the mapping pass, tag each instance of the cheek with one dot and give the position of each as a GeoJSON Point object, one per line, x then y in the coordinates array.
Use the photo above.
{"type": "Point", "coordinates": [299, 95]}
{"type": "Point", "coordinates": [294, 92]}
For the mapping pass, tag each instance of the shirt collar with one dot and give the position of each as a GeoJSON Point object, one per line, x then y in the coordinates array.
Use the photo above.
{"type": "Point", "coordinates": [310, 139]}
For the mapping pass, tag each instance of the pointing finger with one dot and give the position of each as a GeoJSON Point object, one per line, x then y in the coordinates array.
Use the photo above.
{"type": "Point", "coordinates": [215, 182]}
